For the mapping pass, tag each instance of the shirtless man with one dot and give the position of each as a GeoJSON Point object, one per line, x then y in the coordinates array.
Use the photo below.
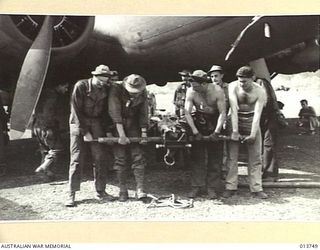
{"type": "Point", "coordinates": [247, 99]}
{"type": "Point", "coordinates": [216, 74]}
{"type": "Point", "coordinates": [210, 113]}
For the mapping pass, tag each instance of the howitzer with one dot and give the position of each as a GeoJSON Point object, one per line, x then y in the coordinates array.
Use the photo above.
{"type": "Point", "coordinates": [157, 139]}
{"type": "Point", "coordinates": [161, 142]}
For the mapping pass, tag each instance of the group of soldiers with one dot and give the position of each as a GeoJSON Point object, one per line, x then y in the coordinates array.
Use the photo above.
{"type": "Point", "coordinates": [247, 110]}
{"type": "Point", "coordinates": [102, 106]}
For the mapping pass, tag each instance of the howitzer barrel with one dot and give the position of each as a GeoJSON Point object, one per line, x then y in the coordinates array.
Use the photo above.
{"type": "Point", "coordinates": [209, 138]}
{"type": "Point", "coordinates": [156, 139]}
{"type": "Point", "coordinates": [132, 139]}
{"type": "Point", "coordinates": [188, 145]}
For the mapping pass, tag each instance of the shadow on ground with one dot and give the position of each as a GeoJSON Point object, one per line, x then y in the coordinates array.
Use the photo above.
{"type": "Point", "coordinates": [10, 210]}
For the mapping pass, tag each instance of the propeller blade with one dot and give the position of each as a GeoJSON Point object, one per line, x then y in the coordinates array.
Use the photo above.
{"type": "Point", "coordinates": [31, 79]}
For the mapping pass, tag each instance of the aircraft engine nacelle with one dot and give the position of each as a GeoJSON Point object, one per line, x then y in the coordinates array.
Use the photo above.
{"type": "Point", "coordinates": [36, 52]}
{"type": "Point", "coordinates": [70, 35]}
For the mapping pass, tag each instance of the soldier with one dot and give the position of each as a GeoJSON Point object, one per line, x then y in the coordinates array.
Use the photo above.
{"type": "Point", "coordinates": [216, 74]}
{"type": "Point", "coordinates": [209, 102]}
{"type": "Point", "coordinates": [89, 120]}
{"type": "Point", "coordinates": [180, 93]}
{"type": "Point", "coordinates": [307, 118]}
{"type": "Point", "coordinates": [247, 99]}
{"type": "Point", "coordinates": [152, 104]}
{"type": "Point", "coordinates": [269, 131]}
{"type": "Point", "coordinates": [128, 108]}
{"type": "Point", "coordinates": [47, 129]}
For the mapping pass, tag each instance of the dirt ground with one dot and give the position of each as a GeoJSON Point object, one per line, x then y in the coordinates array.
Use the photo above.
{"type": "Point", "coordinates": [26, 196]}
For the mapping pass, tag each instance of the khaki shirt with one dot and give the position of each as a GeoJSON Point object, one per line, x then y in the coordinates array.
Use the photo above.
{"type": "Point", "coordinates": [89, 103]}
{"type": "Point", "coordinates": [122, 107]}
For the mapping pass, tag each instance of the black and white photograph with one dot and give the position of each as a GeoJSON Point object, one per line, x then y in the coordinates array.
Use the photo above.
{"type": "Point", "coordinates": [159, 118]}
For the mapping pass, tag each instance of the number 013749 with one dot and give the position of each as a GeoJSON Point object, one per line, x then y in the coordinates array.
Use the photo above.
{"type": "Point", "coordinates": [312, 246]}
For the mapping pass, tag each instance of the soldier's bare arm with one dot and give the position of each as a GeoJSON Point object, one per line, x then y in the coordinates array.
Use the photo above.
{"type": "Point", "coordinates": [221, 104]}
{"type": "Point", "coordinates": [260, 102]}
{"type": "Point", "coordinates": [188, 109]}
{"type": "Point", "coordinates": [234, 110]}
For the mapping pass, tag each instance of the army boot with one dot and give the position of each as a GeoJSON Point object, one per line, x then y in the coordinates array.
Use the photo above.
{"type": "Point", "coordinates": [139, 176]}
{"type": "Point", "coordinates": [123, 193]}
{"type": "Point", "coordinates": [70, 199]}
{"type": "Point", "coordinates": [103, 196]}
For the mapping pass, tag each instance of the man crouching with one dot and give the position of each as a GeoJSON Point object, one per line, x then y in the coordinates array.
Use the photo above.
{"type": "Point", "coordinates": [209, 102]}
{"type": "Point", "coordinates": [128, 108]}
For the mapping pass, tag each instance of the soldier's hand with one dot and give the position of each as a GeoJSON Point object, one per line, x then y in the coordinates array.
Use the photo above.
{"type": "Point", "coordinates": [198, 137]}
{"type": "Point", "coordinates": [88, 137]}
{"type": "Point", "coordinates": [123, 140]}
{"type": "Point", "coordinates": [215, 136]}
{"type": "Point", "coordinates": [249, 139]}
{"type": "Point", "coordinates": [235, 136]}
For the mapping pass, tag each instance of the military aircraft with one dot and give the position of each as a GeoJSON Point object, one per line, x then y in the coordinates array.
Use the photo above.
{"type": "Point", "coordinates": [46, 50]}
